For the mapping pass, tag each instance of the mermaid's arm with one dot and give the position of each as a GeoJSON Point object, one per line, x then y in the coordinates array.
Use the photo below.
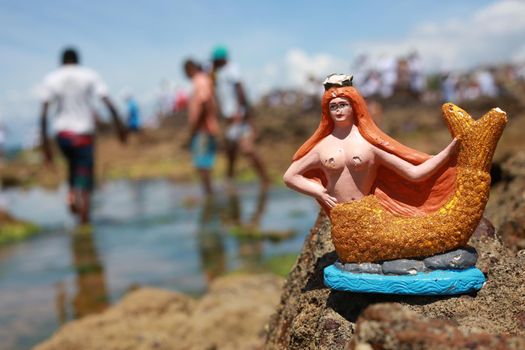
{"type": "Point", "coordinates": [419, 172]}
{"type": "Point", "coordinates": [295, 179]}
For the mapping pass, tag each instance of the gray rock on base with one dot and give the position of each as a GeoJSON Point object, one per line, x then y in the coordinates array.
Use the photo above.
{"type": "Point", "coordinates": [403, 267]}
{"type": "Point", "coordinates": [339, 265]}
{"type": "Point", "coordinates": [363, 268]}
{"type": "Point", "coordinates": [461, 258]}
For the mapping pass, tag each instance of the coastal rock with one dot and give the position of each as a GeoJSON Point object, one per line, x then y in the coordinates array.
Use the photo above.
{"type": "Point", "coordinates": [390, 326]}
{"type": "Point", "coordinates": [507, 204]}
{"type": "Point", "coordinates": [310, 316]}
{"type": "Point", "coordinates": [148, 318]}
{"type": "Point", "coordinates": [231, 315]}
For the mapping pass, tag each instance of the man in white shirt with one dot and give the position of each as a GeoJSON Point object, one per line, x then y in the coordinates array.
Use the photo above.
{"type": "Point", "coordinates": [71, 88]}
{"type": "Point", "coordinates": [240, 132]}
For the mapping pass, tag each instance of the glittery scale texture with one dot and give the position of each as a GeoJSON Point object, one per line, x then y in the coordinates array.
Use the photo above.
{"type": "Point", "coordinates": [364, 231]}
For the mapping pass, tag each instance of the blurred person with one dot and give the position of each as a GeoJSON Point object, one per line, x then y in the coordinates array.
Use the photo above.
{"type": "Point", "coordinates": [32, 139]}
{"type": "Point", "coordinates": [240, 131]}
{"type": "Point", "coordinates": [402, 84]}
{"type": "Point", "coordinates": [509, 73]}
{"type": "Point", "coordinates": [370, 90]}
{"type": "Point", "coordinates": [203, 123]}
{"type": "Point", "coordinates": [507, 82]}
{"type": "Point", "coordinates": [468, 89]}
{"type": "Point", "coordinates": [361, 68]}
{"type": "Point", "coordinates": [520, 72]}
{"type": "Point", "coordinates": [449, 87]}
{"type": "Point", "coordinates": [3, 134]}
{"type": "Point", "coordinates": [486, 82]}
{"type": "Point", "coordinates": [387, 67]}
{"type": "Point", "coordinates": [520, 78]}
{"type": "Point", "coordinates": [181, 100]}
{"type": "Point", "coordinates": [417, 78]}
{"type": "Point", "coordinates": [71, 88]}
{"type": "Point", "coordinates": [165, 99]}
{"type": "Point", "coordinates": [289, 98]}
{"type": "Point", "coordinates": [3, 200]}
{"type": "Point", "coordinates": [312, 93]}
{"type": "Point", "coordinates": [371, 85]}
{"type": "Point", "coordinates": [133, 118]}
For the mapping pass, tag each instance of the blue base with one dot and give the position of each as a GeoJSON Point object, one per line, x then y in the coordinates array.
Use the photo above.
{"type": "Point", "coordinates": [438, 282]}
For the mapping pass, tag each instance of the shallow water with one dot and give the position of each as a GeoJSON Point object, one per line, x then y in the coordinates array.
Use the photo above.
{"type": "Point", "coordinates": [153, 233]}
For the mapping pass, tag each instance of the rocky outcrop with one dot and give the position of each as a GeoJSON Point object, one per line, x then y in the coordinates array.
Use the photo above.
{"type": "Point", "coordinates": [310, 316]}
{"type": "Point", "coordinates": [231, 315]}
{"type": "Point", "coordinates": [506, 208]}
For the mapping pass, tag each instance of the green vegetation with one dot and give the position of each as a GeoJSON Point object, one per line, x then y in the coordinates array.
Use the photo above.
{"type": "Point", "coordinates": [280, 264]}
{"type": "Point", "coordinates": [249, 232]}
{"type": "Point", "coordinates": [16, 231]}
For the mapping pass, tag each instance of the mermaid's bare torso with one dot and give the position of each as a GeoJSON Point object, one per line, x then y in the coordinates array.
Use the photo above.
{"type": "Point", "coordinates": [349, 166]}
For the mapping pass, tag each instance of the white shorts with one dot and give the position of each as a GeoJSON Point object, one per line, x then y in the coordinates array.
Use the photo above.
{"type": "Point", "coordinates": [237, 131]}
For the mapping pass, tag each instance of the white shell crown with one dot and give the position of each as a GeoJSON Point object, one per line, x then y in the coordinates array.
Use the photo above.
{"type": "Point", "coordinates": [337, 80]}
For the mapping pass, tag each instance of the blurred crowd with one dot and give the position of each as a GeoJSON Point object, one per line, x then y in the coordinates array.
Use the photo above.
{"type": "Point", "coordinates": [388, 78]}
{"type": "Point", "coordinates": [482, 82]}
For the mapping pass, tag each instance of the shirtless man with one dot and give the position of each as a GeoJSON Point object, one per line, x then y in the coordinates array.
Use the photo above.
{"type": "Point", "coordinates": [204, 127]}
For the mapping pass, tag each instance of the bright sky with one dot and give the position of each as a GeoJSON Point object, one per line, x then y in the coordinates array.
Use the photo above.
{"type": "Point", "coordinates": [135, 45]}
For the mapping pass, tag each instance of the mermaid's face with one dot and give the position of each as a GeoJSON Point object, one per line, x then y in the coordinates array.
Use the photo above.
{"type": "Point", "coordinates": [340, 110]}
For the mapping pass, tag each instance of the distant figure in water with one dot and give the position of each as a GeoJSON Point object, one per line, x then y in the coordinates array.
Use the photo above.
{"type": "Point", "coordinates": [204, 127]}
{"type": "Point", "coordinates": [71, 88]}
{"type": "Point", "coordinates": [240, 131]}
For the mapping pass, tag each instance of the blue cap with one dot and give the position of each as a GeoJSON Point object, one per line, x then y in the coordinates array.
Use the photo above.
{"type": "Point", "coordinates": [219, 53]}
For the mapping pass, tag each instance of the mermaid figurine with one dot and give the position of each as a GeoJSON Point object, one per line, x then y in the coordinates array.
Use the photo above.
{"type": "Point", "coordinates": [388, 202]}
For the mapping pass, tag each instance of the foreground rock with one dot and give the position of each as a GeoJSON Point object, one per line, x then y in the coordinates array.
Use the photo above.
{"type": "Point", "coordinates": [390, 326]}
{"type": "Point", "coordinates": [310, 316]}
{"type": "Point", "coordinates": [231, 315]}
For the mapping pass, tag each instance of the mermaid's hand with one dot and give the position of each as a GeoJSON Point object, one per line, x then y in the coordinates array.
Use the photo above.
{"type": "Point", "coordinates": [453, 147]}
{"type": "Point", "coordinates": [327, 199]}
